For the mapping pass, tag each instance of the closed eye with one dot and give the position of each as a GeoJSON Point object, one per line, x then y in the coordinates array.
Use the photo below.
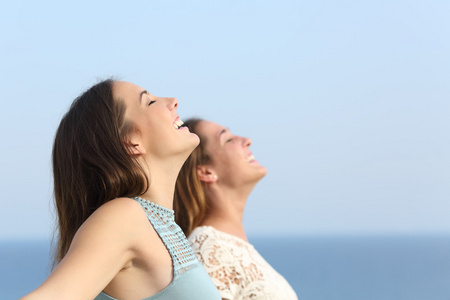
{"type": "Point", "coordinates": [151, 102]}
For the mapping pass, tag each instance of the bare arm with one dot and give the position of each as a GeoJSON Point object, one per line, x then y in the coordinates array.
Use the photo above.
{"type": "Point", "coordinates": [100, 249]}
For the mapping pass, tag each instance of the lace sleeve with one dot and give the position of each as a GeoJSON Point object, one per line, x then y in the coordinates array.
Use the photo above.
{"type": "Point", "coordinates": [221, 264]}
{"type": "Point", "coordinates": [237, 269]}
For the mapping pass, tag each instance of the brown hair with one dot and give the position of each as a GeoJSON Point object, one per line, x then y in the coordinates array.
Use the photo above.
{"type": "Point", "coordinates": [190, 204]}
{"type": "Point", "coordinates": [91, 164]}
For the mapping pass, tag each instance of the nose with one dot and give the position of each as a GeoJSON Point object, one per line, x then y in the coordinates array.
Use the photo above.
{"type": "Point", "coordinates": [247, 142]}
{"type": "Point", "coordinates": [172, 103]}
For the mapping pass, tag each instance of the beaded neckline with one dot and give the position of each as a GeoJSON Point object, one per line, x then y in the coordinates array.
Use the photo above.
{"type": "Point", "coordinates": [163, 221]}
{"type": "Point", "coordinates": [156, 207]}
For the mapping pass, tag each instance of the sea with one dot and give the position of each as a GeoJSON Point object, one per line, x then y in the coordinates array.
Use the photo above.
{"type": "Point", "coordinates": [317, 267]}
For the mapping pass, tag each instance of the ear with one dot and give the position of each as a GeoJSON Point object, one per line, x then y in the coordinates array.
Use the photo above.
{"type": "Point", "coordinates": [206, 174]}
{"type": "Point", "coordinates": [134, 149]}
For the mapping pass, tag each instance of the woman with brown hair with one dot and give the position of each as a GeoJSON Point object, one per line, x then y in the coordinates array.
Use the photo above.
{"type": "Point", "coordinates": [210, 196]}
{"type": "Point", "coordinates": [116, 156]}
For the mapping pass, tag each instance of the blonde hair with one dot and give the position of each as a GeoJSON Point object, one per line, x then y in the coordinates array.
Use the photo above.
{"type": "Point", "coordinates": [190, 203]}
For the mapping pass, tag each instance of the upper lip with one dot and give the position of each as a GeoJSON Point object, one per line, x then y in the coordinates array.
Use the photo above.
{"type": "Point", "coordinates": [250, 157]}
{"type": "Point", "coordinates": [177, 123]}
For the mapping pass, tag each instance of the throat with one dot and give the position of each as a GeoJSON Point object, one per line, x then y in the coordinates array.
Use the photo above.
{"type": "Point", "coordinates": [226, 225]}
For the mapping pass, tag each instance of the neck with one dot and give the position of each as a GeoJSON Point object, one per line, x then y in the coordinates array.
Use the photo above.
{"type": "Point", "coordinates": [227, 207]}
{"type": "Point", "coordinates": [162, 177]}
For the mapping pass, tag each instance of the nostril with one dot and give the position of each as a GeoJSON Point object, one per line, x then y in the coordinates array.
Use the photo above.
{"type": "Point", "coordinates": [172, 103]}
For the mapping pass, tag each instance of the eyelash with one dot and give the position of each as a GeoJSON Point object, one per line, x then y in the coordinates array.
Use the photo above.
{"type": "Point", "coordinates": [230, 140]}
{"type": "Point", "coordinates": [151, 102]}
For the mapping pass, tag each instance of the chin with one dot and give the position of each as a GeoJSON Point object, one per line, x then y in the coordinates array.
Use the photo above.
{"type": "Point", "coordinates": [195, 142]}
{"type": "Point", "coordinates": [190, 147]}
{"type": "Point", "coordinates": [263, 174]}
{"type": "Point", "coordinates": [190, 144]}
{"type": "Point", "coordinates": [262, 171]}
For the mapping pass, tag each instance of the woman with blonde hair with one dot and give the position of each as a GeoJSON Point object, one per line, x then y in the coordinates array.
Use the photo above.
{"type": "Point", "coordinates": [116, 156]}
{"type": "Point", "coordinates": [210, 196]}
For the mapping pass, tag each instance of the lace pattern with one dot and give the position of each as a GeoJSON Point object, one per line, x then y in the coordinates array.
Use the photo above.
{"type": "Point", "coordinates": [163, 220]}
{"type": "Point", "coordinates": [236, 268]}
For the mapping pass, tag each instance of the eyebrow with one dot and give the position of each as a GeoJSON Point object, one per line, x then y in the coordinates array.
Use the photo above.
{"type": "Point", "coordinates": [222, 132]}
{"type": "Point", "coordinates": [142, 93]}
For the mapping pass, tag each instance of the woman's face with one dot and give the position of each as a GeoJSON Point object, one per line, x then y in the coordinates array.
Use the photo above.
{"type": "Point", "coordinates": [231, 158]}
{"type": "Point", "coordinates": [156, 123]}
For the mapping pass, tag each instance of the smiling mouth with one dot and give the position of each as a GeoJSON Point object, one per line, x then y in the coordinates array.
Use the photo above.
{"type": "Point", "coordinates": [250, 158]}
{"type": "Point", "coordinates": [178, 123]}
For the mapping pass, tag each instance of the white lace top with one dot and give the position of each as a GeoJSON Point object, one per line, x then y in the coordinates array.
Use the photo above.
{"type": "Point", "coordinates": [236, 268]}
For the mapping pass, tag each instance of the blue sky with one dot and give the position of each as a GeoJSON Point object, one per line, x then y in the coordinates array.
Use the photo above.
{"type": "Point", "coordinates": [347, 102]}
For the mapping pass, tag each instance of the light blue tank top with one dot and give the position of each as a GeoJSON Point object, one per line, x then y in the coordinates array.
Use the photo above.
{"type": "Point", "coordinates": [190, 280]}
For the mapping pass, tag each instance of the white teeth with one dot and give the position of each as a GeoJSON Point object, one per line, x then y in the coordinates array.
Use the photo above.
{"type": "Point", "coordinates": [250, 158]}
{"type": "Point", "coordinates": [177, 124]}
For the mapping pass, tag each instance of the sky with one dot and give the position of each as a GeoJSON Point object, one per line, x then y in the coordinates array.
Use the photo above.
{"type": "Point", "coordinates": [347, 102]}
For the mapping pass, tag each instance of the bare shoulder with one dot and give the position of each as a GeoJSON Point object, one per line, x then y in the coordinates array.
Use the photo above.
{"type": "Point", "coordinates": [106, 243]}
{"type": "Point", "coordinates": [120, 207]}
{"type": "Point", "coordinates": [118, 219]}
{"type": "Point", "coordinates": [120, 210]}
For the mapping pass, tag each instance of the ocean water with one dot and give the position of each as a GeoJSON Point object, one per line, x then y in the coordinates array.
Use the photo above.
{"type": "Point", "coordinates": [338, 268]}
{"type": "Point", "coordinates": [363, 268]}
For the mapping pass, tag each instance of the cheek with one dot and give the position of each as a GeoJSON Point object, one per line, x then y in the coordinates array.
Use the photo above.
{"type": "Point", "coordinates": [230, 160]}
{"type": "Point", "coordinates": [150, 124]}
